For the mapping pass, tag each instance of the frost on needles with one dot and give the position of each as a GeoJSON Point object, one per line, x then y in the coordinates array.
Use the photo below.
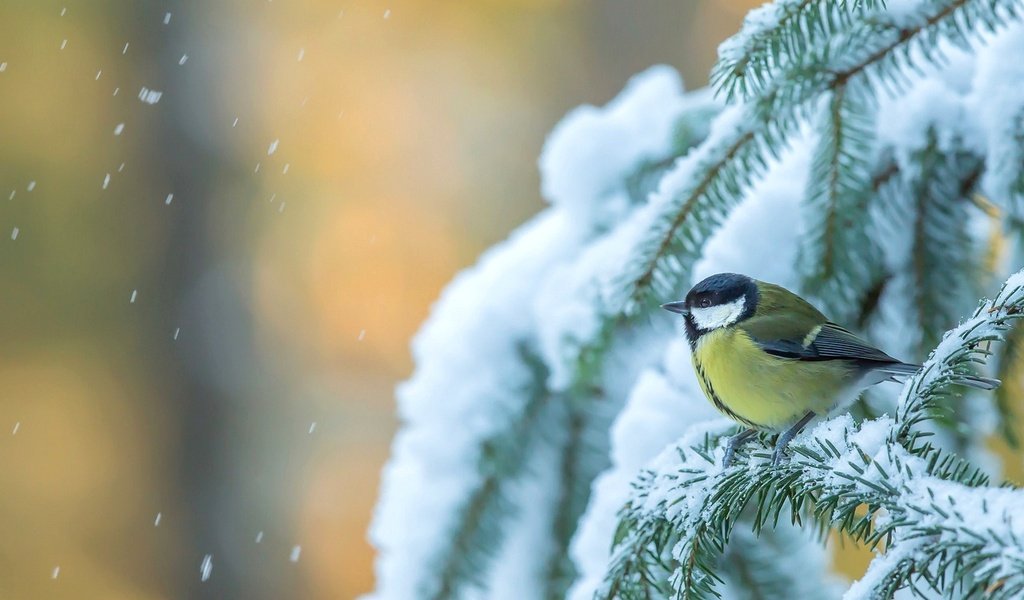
{"type": "Point", "coordinates": [555, 442]}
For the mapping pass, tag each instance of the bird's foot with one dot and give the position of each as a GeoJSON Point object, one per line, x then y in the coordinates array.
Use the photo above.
{"type": "Point", "coordinates": [787, 436]}
{"type": "Point", "coordinates": [778, 453]}
{"type": "Point", "coordinates": [735, 442]}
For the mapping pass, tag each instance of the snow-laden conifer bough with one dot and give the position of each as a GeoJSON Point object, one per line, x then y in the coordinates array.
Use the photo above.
{"type": "Point", "coordinates": [555, 442]}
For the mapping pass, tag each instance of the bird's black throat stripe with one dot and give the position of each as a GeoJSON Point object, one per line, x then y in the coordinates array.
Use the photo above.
{"type": "Point", "coordinates": [718, 401]}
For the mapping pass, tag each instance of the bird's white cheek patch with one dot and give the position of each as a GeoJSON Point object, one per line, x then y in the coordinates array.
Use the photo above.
{"type": "Point", "coordinates": [714, 317]}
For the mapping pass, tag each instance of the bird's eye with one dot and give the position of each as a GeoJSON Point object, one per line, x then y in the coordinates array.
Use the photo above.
{"type": "Point", "coordinates": [705, 302]}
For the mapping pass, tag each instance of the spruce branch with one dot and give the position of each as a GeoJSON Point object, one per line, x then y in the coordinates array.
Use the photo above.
{"type": "Point", "coordinates": [886, 49]}
{"type": "Point", "coordinates": [583, 458]}
{"type": "Point", "coordinates": [942, 256]}
{"type": "Point", "coordinates": [480, 528]}
{"type": "Point", "coordinates": [696, 196]}
{"type": "Point", "coordinates": [772, 37]}
{"type": "Point", "coordinates": [916, 495]}
{"type": "Point", "coordinates": [951, 361]}
{"type": "Point", "coordinates": [678, 222]}
{"type": "Point", "coordinates": [642, 555]}
{"type": "Point", "coordinates": [840, 255]}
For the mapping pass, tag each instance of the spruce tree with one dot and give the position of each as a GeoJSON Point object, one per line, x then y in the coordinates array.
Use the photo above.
{"type": "Point", "coordinates": [869, 155]}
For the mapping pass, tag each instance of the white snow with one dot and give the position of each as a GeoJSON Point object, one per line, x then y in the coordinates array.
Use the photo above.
{"type": "Point", "coordinates": [273, 147]}
{"type": "Point", "coordinates": [521, 561]}
{"type": "Point", "coordinates": [607, 143]}
{"type": "Point", "coordinates": [149, 96]}
{"type": "Point", "coordinates": [206, 567]}
{"type": "Point", "coordinates": [905, 121]}
{"type": "Point", "coordinates": [486, 304]}
{"type": "Point", "coordinates": [156, 521]}
{"type": "Point", "coordinates": [997, 102]}
{"type": "Point", "coordinates": [295, 553]}
{"type": "Point", "coordinates": [14, 233]}
{"type": "Point", "coordinates": [118, 128]}
{"type": "Point", "coordinates": [168, 199]}
{"type": "Point", "coordinates": [575, 299]}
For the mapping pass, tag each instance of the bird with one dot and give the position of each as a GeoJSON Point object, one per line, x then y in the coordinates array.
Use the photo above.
{"type": "Point", "coordinates": [768, 359]}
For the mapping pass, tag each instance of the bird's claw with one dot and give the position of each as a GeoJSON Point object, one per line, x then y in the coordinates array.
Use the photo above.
{"type": "Point", "coordinates": [735, 442]}
{"type": "Point", "coordinates": [778, 454]}
{"type": "Point", "coordinates": [787, 436]}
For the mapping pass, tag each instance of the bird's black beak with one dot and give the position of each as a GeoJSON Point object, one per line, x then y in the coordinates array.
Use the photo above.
{"type": "Point", "coordinates": [677, 307]}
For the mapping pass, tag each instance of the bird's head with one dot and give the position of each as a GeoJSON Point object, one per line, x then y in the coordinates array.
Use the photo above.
{"type": "Point", "coordinates": [719, 301]}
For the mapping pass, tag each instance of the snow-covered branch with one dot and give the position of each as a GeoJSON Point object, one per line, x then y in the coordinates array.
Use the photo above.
{"type": "Point", "coordinates": [685, 506]}
{"type": "Point", "coordinates": [545, 382]}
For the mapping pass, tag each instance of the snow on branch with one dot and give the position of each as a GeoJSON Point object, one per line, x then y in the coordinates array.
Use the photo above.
{"type": "Point", "coordinates": [951, 361]}
{"type": "Point", "coordinates": [703, 186]}
{"type": "Point", "coordinates": [939, 527]}
{"type": "Point", "coordinates": [691, 202]}
{"type": "Point", "coordinates": [479, 409]}
{"type": "Point", "coordinates": [772, 37]}
{"type": "Point", "coordinates": [998, 101]}
{"type": "Point", "coordinates": [888, 48]}
{"type": "Point", "coordinates": [439, 517]}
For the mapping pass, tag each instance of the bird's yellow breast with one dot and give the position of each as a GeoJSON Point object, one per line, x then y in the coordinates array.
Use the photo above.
{"type": "Point", "coordinates": [762, 390]}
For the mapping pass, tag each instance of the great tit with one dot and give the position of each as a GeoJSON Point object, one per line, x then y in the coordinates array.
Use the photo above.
{"type": "Point", "coordinates": [768, 359]}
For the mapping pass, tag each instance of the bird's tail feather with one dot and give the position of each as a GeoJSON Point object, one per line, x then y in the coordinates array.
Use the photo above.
{"type": "Point", "coordinates": [905, 369]}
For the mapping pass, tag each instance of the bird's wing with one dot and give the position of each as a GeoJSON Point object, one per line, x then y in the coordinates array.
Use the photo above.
{"type": "Point", "coordinates": [829, 342]}
{"type": "Point", "coordinates": [835, 342]}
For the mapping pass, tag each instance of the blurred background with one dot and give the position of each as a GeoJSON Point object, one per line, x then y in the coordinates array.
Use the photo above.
{"type": "Point", "coordinates": [220, 225]}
